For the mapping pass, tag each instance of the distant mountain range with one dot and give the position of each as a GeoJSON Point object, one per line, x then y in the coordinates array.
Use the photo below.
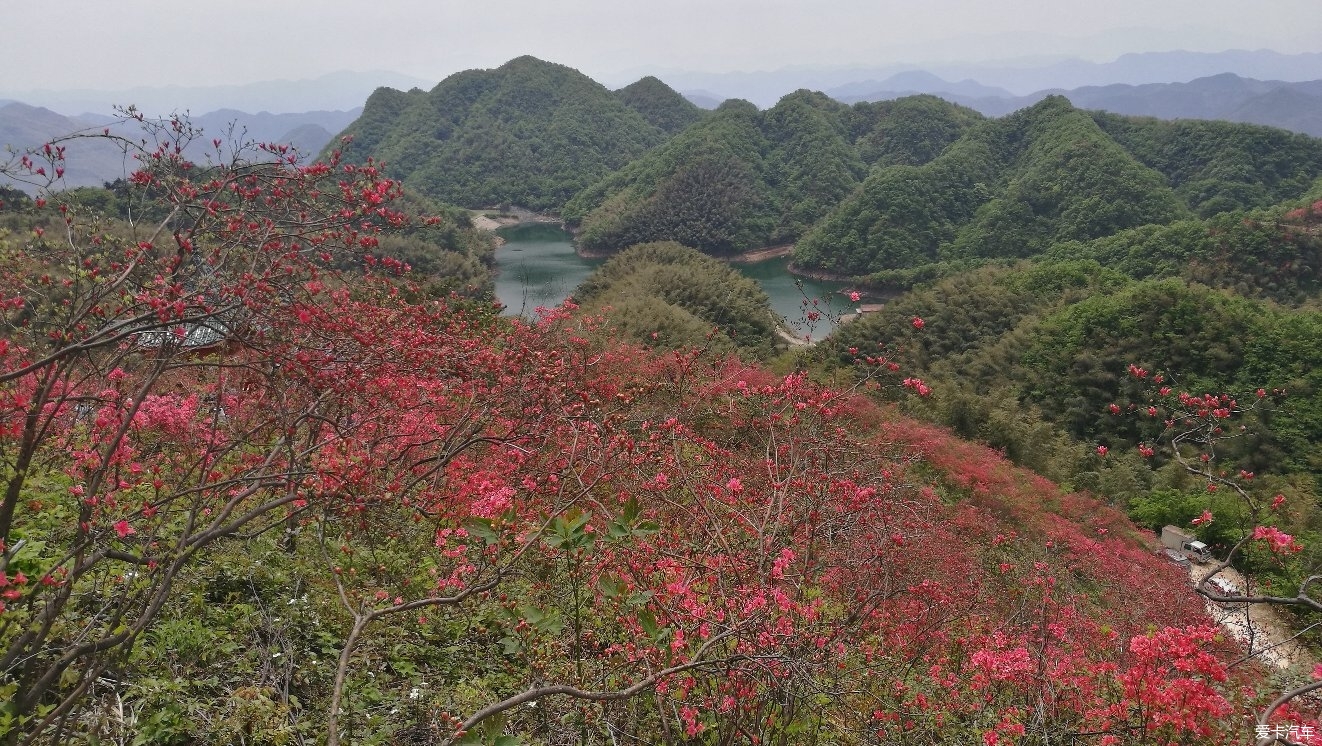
{"type": "Point", "coordinates": [346, 90]}
{"type": "Point", "coordinates": [1276, 103]}
{"type": "Point", "coordinates": [334, 91]}
{"type": "Point", "coordinates": [765, 88]}
{"type": "Point", "coordinates": [93, 162]}
{"type": "Point", "coordinates": [1290, 105]}
{"type": "Point", "coordinates": [915, 81]}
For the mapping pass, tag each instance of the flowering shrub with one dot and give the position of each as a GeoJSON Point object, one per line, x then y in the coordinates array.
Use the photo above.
{"type": "Point", "coordinates": [595, 542]}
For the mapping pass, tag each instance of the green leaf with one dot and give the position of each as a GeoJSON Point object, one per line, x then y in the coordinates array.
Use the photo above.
{"type": "Point", "coordinates": [647, 620]}
{"type": "Point", "coordinates": [567, 532]}
{"type": "Point", "coordinates": [629, 523]}
{"type": "Point", "coordinates": [548, 622]}
{"type": "Point", "coordinates": [631, 510]}
{"type": "Point", "coordinates": [483, 529]}
{"type": "Point", "coordinates": [611, 588]}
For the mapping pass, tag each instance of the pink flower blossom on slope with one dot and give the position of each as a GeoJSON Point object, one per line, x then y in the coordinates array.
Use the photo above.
{"type": "Point", "coordinates": [1278, 540]}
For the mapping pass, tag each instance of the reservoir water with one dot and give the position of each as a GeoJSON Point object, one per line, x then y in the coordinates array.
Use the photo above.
{"type": "Point", "coordinates": [537, 266]}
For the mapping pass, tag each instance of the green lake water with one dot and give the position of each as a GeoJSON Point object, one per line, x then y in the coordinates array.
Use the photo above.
{"type": "Point", "coordinates": [537, 266]}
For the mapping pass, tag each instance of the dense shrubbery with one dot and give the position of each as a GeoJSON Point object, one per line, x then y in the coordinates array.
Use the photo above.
{"type": "Point", "coordinates": [1038, 360]}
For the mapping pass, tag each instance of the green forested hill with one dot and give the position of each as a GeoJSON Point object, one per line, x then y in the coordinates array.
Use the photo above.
{"type": "Point", "coordinates": [1006, 189]}
{"type": "Point", "coordinates": [659, 104]}
{"type": "Point", "coordinates": [1273, 254]}
{"type": "Point", "coordinates": [1016, 186]}
{"type": "Point", "coordinates": [1217, 166]}
{"type": "Point", "coordinates": [908, 131]}
{"type": "Point", "coordinates": [530, 132]}
{"type": "Point", "coordinates": [743, 178]}
{"type": "Point", "coordinates": [1030, 358]}
{"type": "Point", "coordinates": [671, 296]}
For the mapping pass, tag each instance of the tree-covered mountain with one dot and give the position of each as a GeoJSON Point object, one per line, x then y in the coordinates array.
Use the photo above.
{"type": "Point", "coordinates": [743, 179]}
{"type": "Point", "coordinates": [1015, 186]}
{"type": "Point", "coordinates": [1273, 254]}
{"type": "Point", "coordinates": [660, 105]}
{"type": "Point", "coordinates": [1072, 371]}
{"type": "Point", "coordinates": [1220, 166]}
{"type": "Point", "coordinates": [529, 132]}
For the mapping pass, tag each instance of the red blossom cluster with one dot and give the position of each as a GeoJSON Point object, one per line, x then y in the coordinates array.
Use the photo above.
{"type": "Point", "coordinates": [1277, 540]}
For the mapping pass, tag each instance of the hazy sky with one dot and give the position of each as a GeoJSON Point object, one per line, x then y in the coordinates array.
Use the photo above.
{"type": "Point", "coordinates": [123, 43]}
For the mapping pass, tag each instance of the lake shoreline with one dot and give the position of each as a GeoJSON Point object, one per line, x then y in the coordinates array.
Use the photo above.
{"type": "Point", "coordinates": [761, 255]}
{"type": "Point", "coordinates": [514, 216]}
{"type": "Point", "coordinates": [539, 254]}
{"type": "Point", "coordinates": [493, 221]}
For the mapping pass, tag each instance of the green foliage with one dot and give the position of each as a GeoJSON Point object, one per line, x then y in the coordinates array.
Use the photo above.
{"type": "Point", "coordinates": [529, 132]}
{"type": "Point", "coordinates": [783, 169]}
{"type": "Point", "coordinates": [1174, 507]}
{"type": "Point", "coordinates": [446, 255]}
{"type": "Point", "coordinates": [1069, 182]}
{"type": "Point", "coordinates": [1029, 359]}
{"type": "Point", "coordinates": [1077, 364]}
{"type": "Point", "coordinates": [105, 201]}
{"type": "Point", "coordinates": [706, 173]}
{"type": "Point", "coordinates": [1218, 167]}
{"type": "Point", "coordinates": [908, 131]}
{"type": "Point", "coordinates": [700, 205]}
{"type": "Point", "coordinates": [902, 215]}
{"type": "Point", "coordinates": [968, 311]}
{"type": "Point", "coordinates": [13, 200]}
{"type": "Point", "coordinates": [1052, 180]}
{"type": "Point", "coordinates": [660, 105]}
{"type": "Point", "coordinates": [665, 294]}
{"type": "Point", "coordinates": [1268, 253]}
